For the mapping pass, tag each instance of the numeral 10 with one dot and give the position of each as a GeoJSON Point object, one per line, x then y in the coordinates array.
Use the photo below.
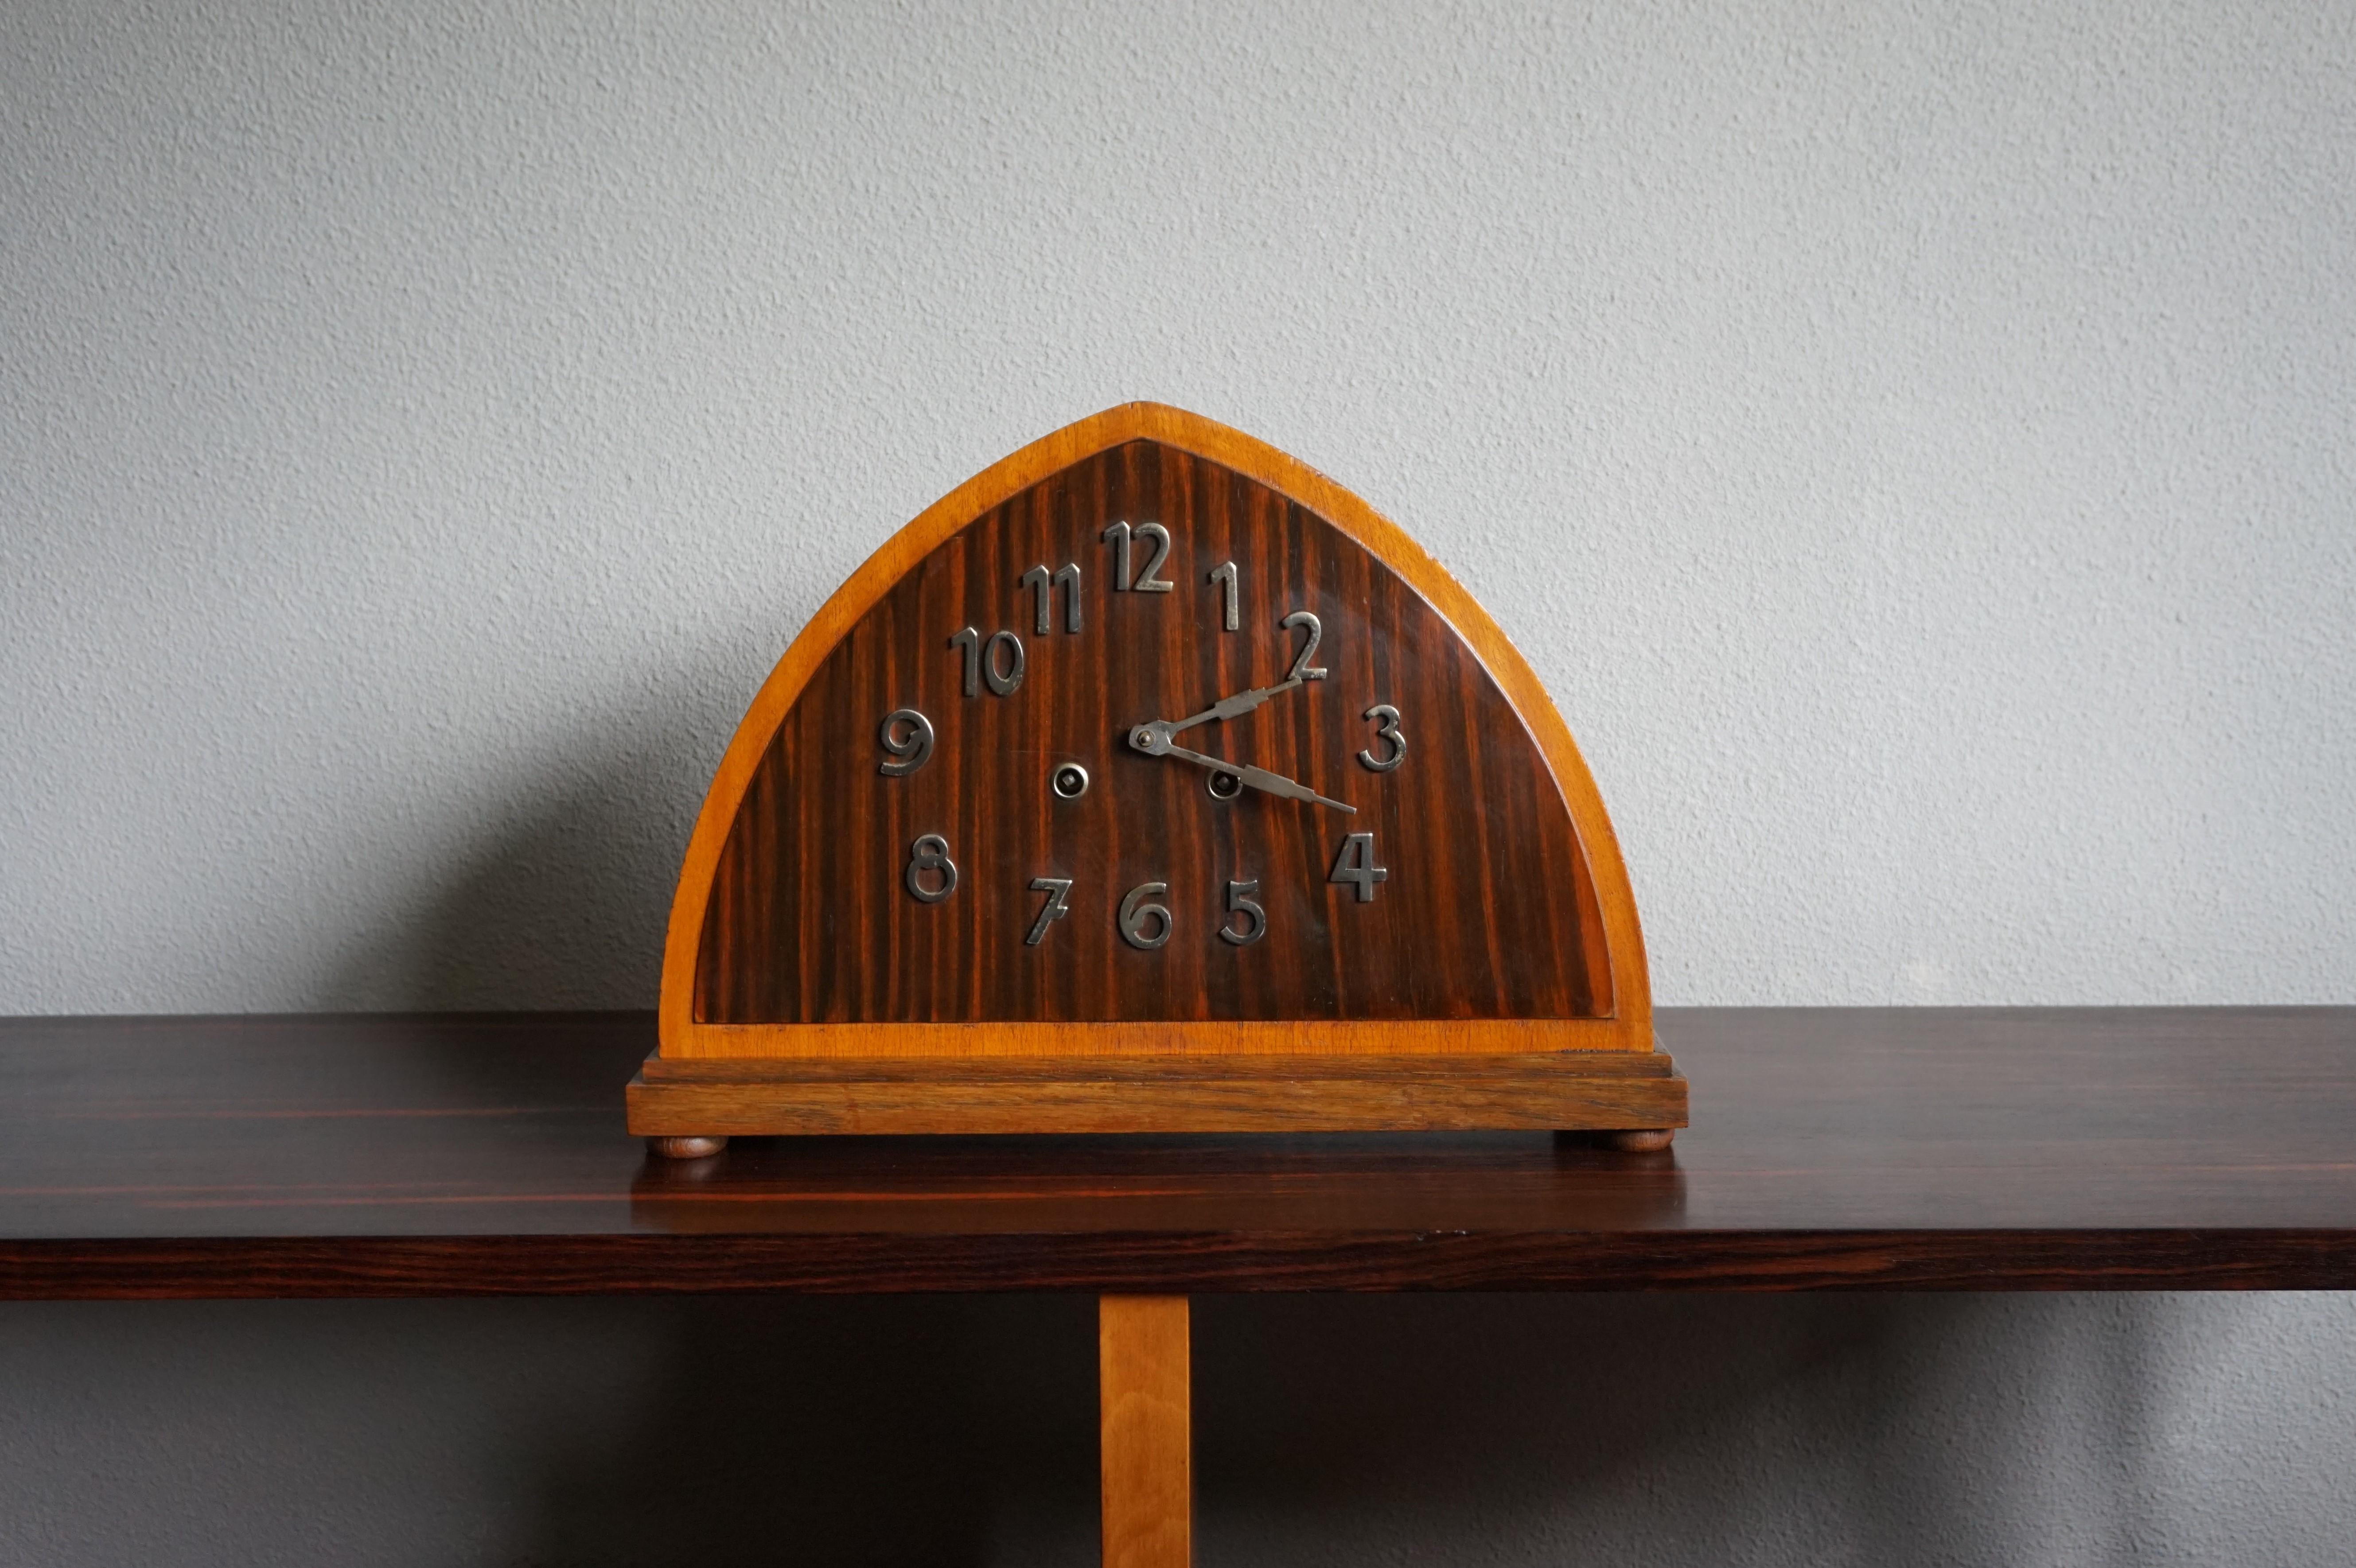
{"type": "Point", "coordinates": [998, 662]}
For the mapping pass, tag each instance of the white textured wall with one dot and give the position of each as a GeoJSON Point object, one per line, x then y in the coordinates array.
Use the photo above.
{"type": "Point", "coordinates": [1915, 443]}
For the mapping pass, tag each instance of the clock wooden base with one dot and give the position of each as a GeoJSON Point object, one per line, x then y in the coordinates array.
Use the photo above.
{"type": "Point", "coordinates": [684, 1105]}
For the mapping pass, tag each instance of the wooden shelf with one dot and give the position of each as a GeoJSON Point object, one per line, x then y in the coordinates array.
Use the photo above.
{"type": "Point", "coordinates": [485, 1155]}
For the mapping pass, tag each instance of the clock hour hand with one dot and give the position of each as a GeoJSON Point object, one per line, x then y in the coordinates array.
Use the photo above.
{"type": "Point", "coordinates": [1158, 745]}
{"type": "Point", "coordinates": [1234, 706]}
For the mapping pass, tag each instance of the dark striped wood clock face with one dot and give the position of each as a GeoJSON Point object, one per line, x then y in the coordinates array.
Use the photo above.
{"type": "Point", "coordinates": [1150, 741]}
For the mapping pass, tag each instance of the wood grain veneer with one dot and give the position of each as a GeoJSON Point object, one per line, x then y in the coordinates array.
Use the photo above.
{"type": "Point", "coordinates": [1146, 1430]}
{"type": "Point", "coordinates": [1215, 1093]}
{"type": "Point", "coordinates": [1922, 1150]}
{"type": "Point", "coordinates": [1506, 912]}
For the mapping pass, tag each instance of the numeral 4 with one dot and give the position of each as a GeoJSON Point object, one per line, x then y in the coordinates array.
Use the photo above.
{"type": "Point", "coordinates": [1355, 865]}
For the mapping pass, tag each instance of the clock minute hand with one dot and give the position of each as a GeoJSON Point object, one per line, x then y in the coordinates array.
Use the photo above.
{"type": "Point", "coordinates": [1258, 778]}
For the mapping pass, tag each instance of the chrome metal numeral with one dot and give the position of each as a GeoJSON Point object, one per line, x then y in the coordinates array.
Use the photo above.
{"type": "Point", "coordinates": [1355, 865]}
{"type": "Point", "coordinates": [1241, 900]}
{"type": "Point", "coordinates": [1146, 582]}
{"type": "Point", "coordinates": [907, 735]}
{"type": "Point", "coordinates": [930, 853]}
{"type": "Point", "coordinates": [1387, 720]}
{"type": "Point", "coordinates": [1143, 923]}
{"type": "Point", "coordinates": [1038, 582]}
{"type": "Point", "coordinates": [1057, 890]}
{"type": "Point", "coordinates": [1225, 572]}
{"type": "Point", "coordinates": [983, 661]}
{"type": "Point", "coordinates": [969, 642]}
{"type": "Point", "coordinates": [1119, 534]}
{"type": "Point", "coordinates": [1002, 682]}
{"type": "Point", "coordinates": [1043, 584]}
{"type": "Point", "coordinates": [1301, 668]}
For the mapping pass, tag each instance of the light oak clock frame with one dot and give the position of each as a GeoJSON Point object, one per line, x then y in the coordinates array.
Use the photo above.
{"type": "Point", "coordinates": [709, 1080]}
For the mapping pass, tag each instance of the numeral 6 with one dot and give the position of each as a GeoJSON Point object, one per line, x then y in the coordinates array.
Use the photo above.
{"type": "Point", "coordinates": [1144, 924]}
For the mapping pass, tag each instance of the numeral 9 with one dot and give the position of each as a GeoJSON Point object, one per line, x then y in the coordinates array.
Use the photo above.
{"type": "Point", "coordinates": [907, 735]}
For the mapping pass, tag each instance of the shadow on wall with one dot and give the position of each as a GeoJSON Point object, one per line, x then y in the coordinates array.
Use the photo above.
{"type": "Point", "coordinates": [561, 900]}
{"type": "Point", "coordinates": [1677, 1432]}
{"type": "Point", "coordinates": [1467, 1430]}
{"type": "Point", "coordinates": [1674, 1429]}
{"type": "Point", "coordinates": [921, 1430]}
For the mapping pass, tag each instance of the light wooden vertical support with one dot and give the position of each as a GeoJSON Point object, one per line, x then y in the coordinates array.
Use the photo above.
{"type": "Point", "coordinates": [1145, 1425]}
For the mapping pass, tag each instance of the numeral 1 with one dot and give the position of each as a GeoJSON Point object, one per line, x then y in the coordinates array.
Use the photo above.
{"type": "Point", "coordinates": [1355, 865]}
{"type": "Point", "coordinates": [1119, 534]}
{"type": "Point", "coordinates": [969, 640]}
{"type": "Point", "coordinates": [1225, 572]}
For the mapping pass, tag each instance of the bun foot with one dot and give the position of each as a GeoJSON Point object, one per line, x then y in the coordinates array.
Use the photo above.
{"type": "Point", "coordinates": [1640, 1140]}
{"type": "Point", "coordinates": [687, 1147]}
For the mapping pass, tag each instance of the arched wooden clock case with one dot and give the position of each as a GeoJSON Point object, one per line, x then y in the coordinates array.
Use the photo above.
{"type": "Point", "coordinates": [1151, 782]}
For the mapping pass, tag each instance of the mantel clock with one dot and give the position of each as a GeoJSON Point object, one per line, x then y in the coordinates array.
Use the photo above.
{"type": "Point", "coordinates": [1151, 782]}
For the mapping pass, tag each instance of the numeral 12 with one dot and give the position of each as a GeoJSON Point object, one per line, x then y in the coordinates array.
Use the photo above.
{"type": "Point", "coordinates": [1145, 582]}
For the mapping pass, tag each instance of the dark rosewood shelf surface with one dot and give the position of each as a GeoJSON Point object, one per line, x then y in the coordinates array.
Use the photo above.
{"type": "Point", "coordinates": [1905, 1148]}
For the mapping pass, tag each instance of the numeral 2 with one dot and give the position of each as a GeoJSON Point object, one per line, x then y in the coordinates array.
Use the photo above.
{"type": "Point", "coordinates": [1301, 668]}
